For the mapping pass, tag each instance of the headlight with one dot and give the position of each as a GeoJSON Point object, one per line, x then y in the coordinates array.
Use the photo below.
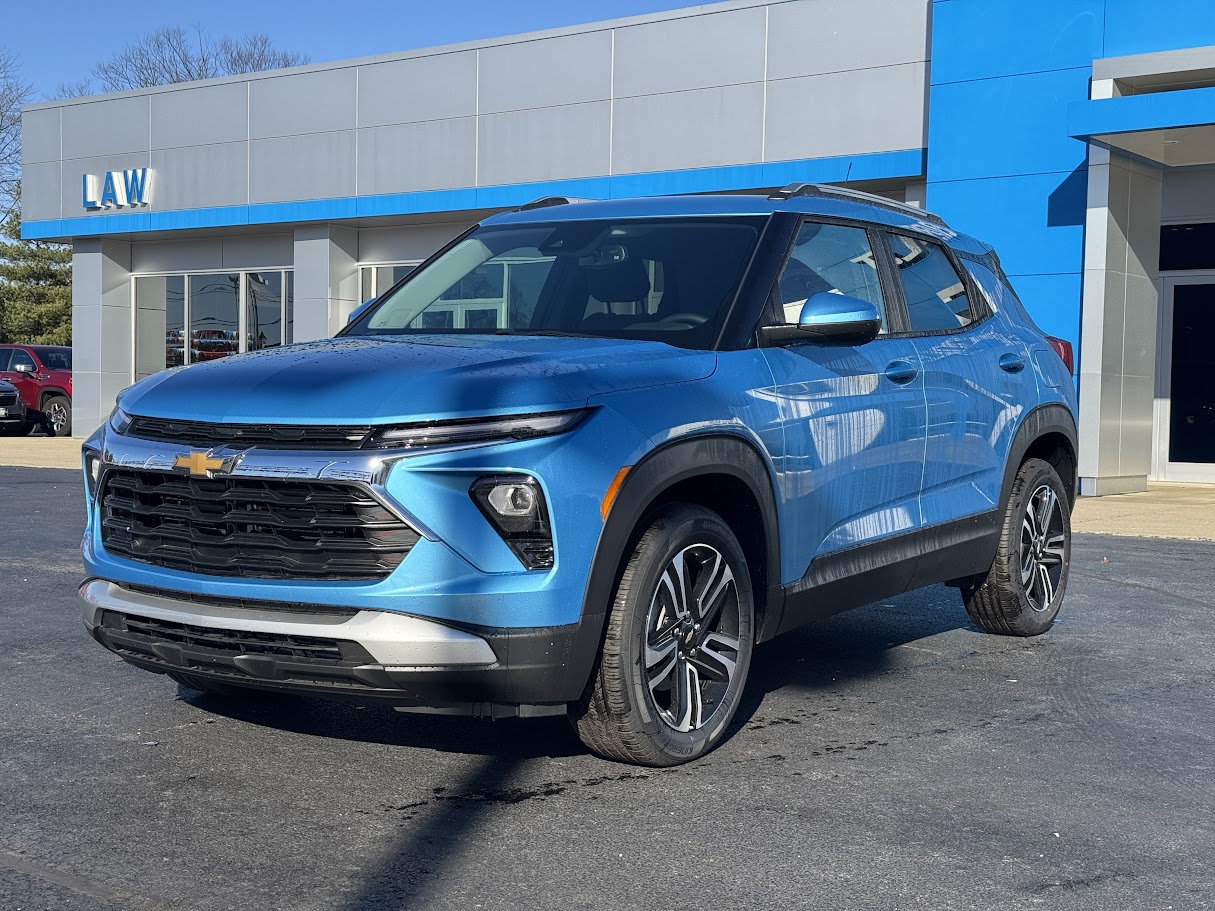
{"type": "Point", "coordinates": [515, 507]}
{"type": "Point", "coordinates": [92, 472]}
{"type": "Point", "coordinates": [476, 430]}
{"type": "Point", "coordinates": [120, 421]}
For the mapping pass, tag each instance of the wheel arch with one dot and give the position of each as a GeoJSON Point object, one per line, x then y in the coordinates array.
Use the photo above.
{"type": "Point", "coordinates": [1048, 433]}
{"type": "Point", "coordinates": [49, 393]}
{"type": "Point", "coordinates": [722, 472]}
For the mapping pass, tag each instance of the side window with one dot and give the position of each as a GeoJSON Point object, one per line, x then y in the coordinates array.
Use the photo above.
{"type": "Point", "coordinates": [20, 356]}
{"type": "Point", "coordinates": [830, 259]}
{"type": "Point", "coordinates": [5, 354]}
{"type": "Point", "coordinates": [935, 293]}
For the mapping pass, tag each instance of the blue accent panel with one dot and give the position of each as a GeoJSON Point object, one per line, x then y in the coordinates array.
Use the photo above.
{"type": "Point", "coordinates": [981, 40]}
{"type": "Point", "coordinates": [1035, 222]}
{"type": "Point", "coordinates": [1054, 303]}
{"type": "Point", "coordinates": [1134, 113]}
{"type": "Point", "coordinates": [997, 127]}
{"type": "Point", "coordinates": [1145, 26]}
{"type": "Point", "coordinates": [874, 166]}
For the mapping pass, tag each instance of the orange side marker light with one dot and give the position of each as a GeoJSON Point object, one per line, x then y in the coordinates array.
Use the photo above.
{"type": "Point", "coordinates": [614, 488]}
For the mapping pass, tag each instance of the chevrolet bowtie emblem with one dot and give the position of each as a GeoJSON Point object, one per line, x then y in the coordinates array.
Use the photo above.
{"type": "Point", "coordinates": [198, 463]}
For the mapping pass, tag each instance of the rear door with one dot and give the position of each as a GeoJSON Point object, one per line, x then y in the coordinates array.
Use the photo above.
{"type": "Point", "coordinates": [853, 416]}
{"type": "Point", "coordinates": [977, 381]}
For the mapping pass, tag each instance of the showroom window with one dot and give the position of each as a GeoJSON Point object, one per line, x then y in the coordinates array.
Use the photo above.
{"type": "Point", "coordinates": [190, 318]}
{"type": "Point", "coordinates": [377, 278]}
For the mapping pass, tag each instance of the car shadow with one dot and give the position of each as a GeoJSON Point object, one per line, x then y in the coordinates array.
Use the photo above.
{"type": "Point", "coordinates": [816, 658]}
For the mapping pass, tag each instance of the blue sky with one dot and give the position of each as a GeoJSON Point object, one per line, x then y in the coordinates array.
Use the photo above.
{"type": "Point", "coordinates": [59, 42]}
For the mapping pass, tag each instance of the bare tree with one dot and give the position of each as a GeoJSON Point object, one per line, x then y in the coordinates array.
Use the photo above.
{"type": "Point", "coordinates": [14, 92]}
{"type": "Point", "coordinates": [175, 54]}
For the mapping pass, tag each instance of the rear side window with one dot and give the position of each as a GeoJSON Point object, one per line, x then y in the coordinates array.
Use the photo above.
{"type": "Point", "coordinates": [828, 259]}
{"type": "Point", "coordinates": [1000, 295]}
{"type": "Point", "coordinates": [5, 354]}
{"type": "Point", "coordinates": [935, 293]}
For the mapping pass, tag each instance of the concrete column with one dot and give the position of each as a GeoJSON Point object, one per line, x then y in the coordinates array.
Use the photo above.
{"type": "Point", "coordinates": [1118, 323]}
{"type": "Point", "coordinates": [101, 330]}
{"type": "Point", "coordinates": [326, 279]}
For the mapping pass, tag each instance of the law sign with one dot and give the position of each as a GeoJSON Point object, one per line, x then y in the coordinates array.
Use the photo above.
{"type": "Point", "coordinates": [117, 189]}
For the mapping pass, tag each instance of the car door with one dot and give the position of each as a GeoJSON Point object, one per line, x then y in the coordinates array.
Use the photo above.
{"type": "Point", "coordinates": [27, 385]}
{"type": "Point", "coordinates": [853, 415]}
{"type": "Point", "coordinates": [975, 381]}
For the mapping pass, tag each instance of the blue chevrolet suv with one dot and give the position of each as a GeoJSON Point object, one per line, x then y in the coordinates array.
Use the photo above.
{"type": "Point", "coordinates": [585, 458]}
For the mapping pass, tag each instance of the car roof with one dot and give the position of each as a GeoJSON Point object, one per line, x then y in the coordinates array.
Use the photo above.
{"type": "Point", "coordinates": [889, 213]}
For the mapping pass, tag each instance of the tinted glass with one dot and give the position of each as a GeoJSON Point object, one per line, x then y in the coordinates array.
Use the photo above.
{"type": "Point", "coordinates": [20, 358]}
{"type": "Point", "coordinates": [828, 259]}
{"type": "Point", "coordinates": [1192, 411]}
{"type": "Point", "coordinates": [5, 355]}
{"type": "Point", "coordinates": [55, 358]}
{"type": "Point", "coordinates": [935, 294]}
{"type": "Point", "coordinates": [663, 279]}
{"type": "Point", "coordinates": [264, 310]}
{"type": "Point", "coordinates": [1187, 247]}
{"type": "Point", "coordinates": [214, 316]}
{"type": "Point", "coordinates": [289, 310]}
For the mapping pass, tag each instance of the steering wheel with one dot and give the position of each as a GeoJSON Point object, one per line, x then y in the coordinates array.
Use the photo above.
{"type": "Point", "coordinates": [685, 319]}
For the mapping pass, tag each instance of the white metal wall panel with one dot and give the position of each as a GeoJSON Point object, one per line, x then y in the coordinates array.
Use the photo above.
{"type": "Point", "coordinates": [552, 71]}
{"type": "Point", "coordinates": [436, 87]}
{"type": "Point", "coordinates": [432, 155]}
{"type": "Point", "coordinates": [208, 114]}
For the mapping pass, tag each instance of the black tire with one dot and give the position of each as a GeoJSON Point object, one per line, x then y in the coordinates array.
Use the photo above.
{"type": "Point", "coordinates": [664, 714]}
{"type": "Point", "coordinates": [1023, 591]}
{"type": "Point", "coordinates": [57, 416]}
{"type": "Point", "coordinates": [207, 685]}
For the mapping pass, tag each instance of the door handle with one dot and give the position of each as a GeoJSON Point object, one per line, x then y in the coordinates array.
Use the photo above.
{"type": "Point", "coordinates": [901, 372]}
{"type": "Point", "coordinates": [1012, 363]}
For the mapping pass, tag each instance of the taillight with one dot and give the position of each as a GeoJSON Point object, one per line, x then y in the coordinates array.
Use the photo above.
{"type": "Point", "coordinates": [1063, 348]}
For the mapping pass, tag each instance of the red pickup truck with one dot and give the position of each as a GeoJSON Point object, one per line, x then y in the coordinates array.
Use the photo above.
{"type": "Point", "coordinates": [43, 376]}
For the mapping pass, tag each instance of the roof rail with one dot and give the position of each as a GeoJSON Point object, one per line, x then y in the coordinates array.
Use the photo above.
{"type": "Point", "coordinates": [544, 202]}
{"type": "Point", "coordinates": [872, 199]}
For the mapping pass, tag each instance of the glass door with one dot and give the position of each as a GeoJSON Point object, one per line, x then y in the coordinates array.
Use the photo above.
{"type": "Point", "coordinates": [1185, 418]}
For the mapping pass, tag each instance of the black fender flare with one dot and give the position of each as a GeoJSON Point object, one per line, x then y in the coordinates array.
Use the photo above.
{"type": "Point", "coordinates": [667, 465]}
{"type": "Point", "coordinates": [1043, 420]}
{"type": "Point", "coordinates": [50, 393]}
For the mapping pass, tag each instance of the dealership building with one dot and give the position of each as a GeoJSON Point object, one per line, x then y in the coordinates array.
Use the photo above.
{"type": "Point", "coordinates": [1076, 136]}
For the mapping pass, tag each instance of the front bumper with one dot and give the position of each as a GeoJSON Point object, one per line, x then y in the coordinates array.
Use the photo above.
{"type": "Point", "coordinates": [408, 661]}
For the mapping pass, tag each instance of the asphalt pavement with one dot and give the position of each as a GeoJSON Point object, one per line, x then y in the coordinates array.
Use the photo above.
{"type": "Point", "coordinates": [891, 758]}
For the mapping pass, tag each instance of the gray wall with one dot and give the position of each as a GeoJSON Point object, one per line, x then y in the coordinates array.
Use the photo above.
{"type": "Point", "coordinates": [732, 83]}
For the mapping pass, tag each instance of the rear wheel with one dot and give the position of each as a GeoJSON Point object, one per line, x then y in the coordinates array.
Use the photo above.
{"type": "Point", "coordinates": [1023, 591]}
{"type": "Point", "coordinates": [57, 416]}
{"type": "Point", "coordinates": [677, 647]}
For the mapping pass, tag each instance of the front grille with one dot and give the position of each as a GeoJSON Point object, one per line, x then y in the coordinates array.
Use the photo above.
{"type": "Point", "coordinates": [8, 398]}
{"type": "Point", "coordinates": [251, 527]}
{"type": "Point", "coordinates": [206, 435]}
{"type": "Point", "coordinates": [240, 655]}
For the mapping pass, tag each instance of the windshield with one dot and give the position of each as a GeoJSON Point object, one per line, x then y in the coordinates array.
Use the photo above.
{"type": "Point", "coordinates": [55, 358]}
{"type": "Point", "coordinates": [660, 279]}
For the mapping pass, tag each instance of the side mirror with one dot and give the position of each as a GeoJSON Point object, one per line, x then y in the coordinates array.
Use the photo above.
{"type": "Point", "coordinates": [359, 311]}
{"type": "Point", "coordinates": [25, 368]}
{"type": "Point", "coordinates": [829, 318]}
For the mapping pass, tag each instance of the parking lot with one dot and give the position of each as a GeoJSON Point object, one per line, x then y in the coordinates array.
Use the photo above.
{"type": "Point", "coordinates": [890, 758]}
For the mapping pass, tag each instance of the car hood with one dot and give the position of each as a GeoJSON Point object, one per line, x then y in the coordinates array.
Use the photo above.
{"type": "Point", "coordinates": [419, 378]}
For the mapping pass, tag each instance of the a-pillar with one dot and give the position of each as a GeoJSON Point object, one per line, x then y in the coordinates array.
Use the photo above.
{"type": "Point", "coordinates": [326, 279]}
{"type": "Point", "coordinates": [101, 330]}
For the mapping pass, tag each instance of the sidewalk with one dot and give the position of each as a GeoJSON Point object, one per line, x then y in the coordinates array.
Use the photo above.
{"type": "Point", "coordinates": [40, 452]}
{"type": "Point", "coordinates": [1164, 511]}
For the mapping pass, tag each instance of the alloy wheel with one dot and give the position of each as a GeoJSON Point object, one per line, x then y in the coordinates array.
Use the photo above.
{"type": "Point", "coordinates": [692, 637]}
{"type": "Point", "coordinates": [1043, 547]}
{"type": "Point", "coordinates": [57, 417]}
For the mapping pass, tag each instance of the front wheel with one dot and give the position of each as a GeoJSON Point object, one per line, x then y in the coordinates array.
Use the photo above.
{"type": "Point", "coordinates": [678, 644]}
{"type": "Point", "coordinates": [1023, 591]}
{"type": "Point", "coordinates": [57, 416]}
